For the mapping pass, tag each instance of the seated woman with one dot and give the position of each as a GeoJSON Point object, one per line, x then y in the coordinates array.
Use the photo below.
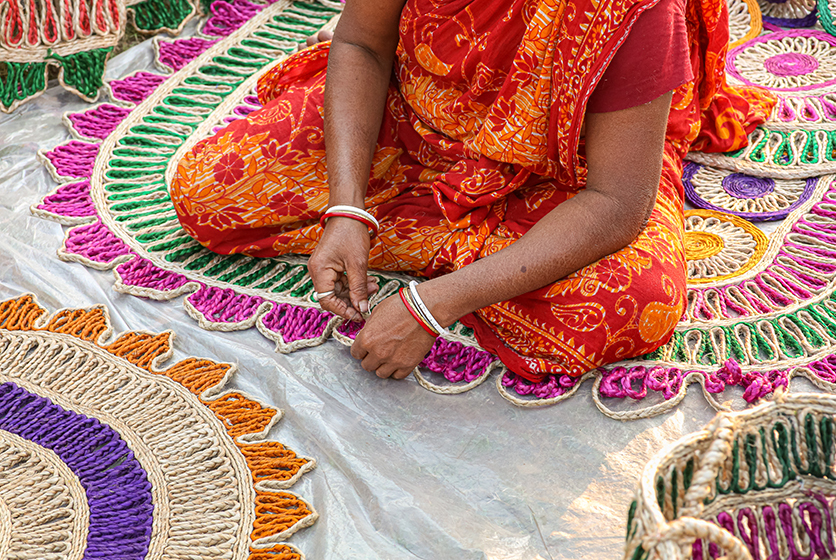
{"type": "Point", "coordinates": [523, 155]}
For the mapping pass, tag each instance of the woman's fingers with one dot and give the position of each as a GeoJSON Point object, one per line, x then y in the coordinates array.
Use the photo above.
{"type": "Point", "coordinates": [339, 306]}
{"type": "Point", "coordinates": [384, 371]}
{"type": "Point", "coordinates": [357, 285]}
{"type": "Point", "coordinates": [326, 280]}
{"type": "Point", "coordinates": [372, 286]}
{"type": "Point", "coordinates": [402, 373]}
{"type": "Point", "coordinates": [370, 362]}
{"type": "Point", "coordinates": [342, 291]}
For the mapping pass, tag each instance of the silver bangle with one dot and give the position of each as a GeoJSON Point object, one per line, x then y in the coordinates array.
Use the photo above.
{"type": "Point", "coordinates": [413, 291]}
{"type": "Point", "coordinates": [354, 210]}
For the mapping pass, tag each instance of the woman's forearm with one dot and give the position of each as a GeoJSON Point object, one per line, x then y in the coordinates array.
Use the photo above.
{"type": "Point", "coordinates": [575, 234]}
{"type": "Point", "coordinates": [355, 98]}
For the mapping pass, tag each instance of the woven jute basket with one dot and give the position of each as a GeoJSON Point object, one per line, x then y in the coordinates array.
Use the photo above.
{"type": "Point", "coordinates": [754, 484]}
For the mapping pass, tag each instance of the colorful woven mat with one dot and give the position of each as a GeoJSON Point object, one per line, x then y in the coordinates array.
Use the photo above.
{"type": "Point", "coordinates": [760, 306]}
{"type": "Point", "coordinates": [106, 452]}
{"type": "Point", "coordinates": [755, 485]}
{"type": "Point", "coordinates": [77, 37]}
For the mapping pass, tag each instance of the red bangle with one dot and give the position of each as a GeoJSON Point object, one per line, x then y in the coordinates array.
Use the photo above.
{"type": "Point", "coordinates": [415, 315]}
{"type": "Point", "coordinates": [372, 227]}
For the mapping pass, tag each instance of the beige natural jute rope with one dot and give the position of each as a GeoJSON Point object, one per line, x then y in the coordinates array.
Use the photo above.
{"type": "Point", "coordinates": [755, 484]}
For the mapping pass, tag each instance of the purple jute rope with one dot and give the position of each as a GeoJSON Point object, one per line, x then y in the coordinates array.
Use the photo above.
{"type": "Point", "coordinates": [224, 305]}
{"type": "Point", "coordinates": [296, 323]}
{"type": "Point", "coordinates": [145, 274]}
{"type": "Point", "coordinates": [72, 199]}
{"type": "Point", "coordinates": [176, 54]}
{"type": "Point", "coordinates": [350, 328]}
{"type": "Point", "coordinates": [737, 185]}
{"type": "Point", "coordinates": [457, 362]}
{"type": "Point", "coordinates": [813, 514]}
{"type": "Point", "coordinates": [249, 105]}
{"type": "Point", "coordinates": [74, 159]}
{"type": "Point", "coordinates": [807, 21]}
{"type": "Point", "coordinates": [99, 121]}
{"type": "Point", "coordinates": [137, 87]}
{"type": "Point", "coordinates": [95, 242]}
{"type": "Point", "coordinates": [551, 386]}
{"type": "Point", "coordinates": [635, 382]}
{"type": "Point", "coordinates": [787, 65]}
{"type": "Point", "coordinates": [228, 16]}
{"type": "Point", "coordinates": [117, 487]}
{"type": "Point", "coordinates": [825, 368]}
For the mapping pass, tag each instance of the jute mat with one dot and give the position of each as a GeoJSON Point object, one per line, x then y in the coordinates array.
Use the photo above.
{"type": "Point", "coordinates": [108, 451]}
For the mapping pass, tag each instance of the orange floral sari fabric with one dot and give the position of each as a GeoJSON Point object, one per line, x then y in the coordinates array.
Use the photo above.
{"type": "Point", "coordinates": [480, 139]}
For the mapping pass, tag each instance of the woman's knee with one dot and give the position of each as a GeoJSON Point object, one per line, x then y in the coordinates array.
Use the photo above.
{"type": "Point", "coordinates": [200, 215]}
{"type": "Point", "coordinates": [660, 303]}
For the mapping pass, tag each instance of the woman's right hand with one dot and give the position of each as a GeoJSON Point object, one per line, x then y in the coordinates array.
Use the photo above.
{"type": "Point", "coordinates": [339, 264]}
{"type": "Point", "coordinates": [360, 63]}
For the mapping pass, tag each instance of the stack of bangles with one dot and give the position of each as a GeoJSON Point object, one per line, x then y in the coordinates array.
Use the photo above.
{"type": "Point", "coordinates": [416, 307]}
{"type": "Point", "coordinates": [354, 213]}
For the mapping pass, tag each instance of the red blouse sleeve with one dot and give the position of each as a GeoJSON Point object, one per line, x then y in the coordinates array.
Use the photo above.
{"type": "Point", "coordinates": [653, 60]}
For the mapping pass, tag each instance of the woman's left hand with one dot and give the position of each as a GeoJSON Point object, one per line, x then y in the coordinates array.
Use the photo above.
{"type": "Point", "coordinates": [391, 343]}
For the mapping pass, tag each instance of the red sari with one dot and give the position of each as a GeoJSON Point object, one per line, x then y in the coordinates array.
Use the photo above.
{"type": "Point", "coordinates": [480, 139]}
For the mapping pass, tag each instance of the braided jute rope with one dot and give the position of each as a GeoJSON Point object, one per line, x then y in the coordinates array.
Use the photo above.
{"type": "Point", "coordinates": [36, 486]}
{"type": "Point", "coordinates": [77, 401]}
{"type": "Point", "coordinates": [759, 483]}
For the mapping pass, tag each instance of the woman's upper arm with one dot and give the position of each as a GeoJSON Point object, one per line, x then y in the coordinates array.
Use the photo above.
{"type": "Point", "coordinates": [371, 25]}
{"type": "Point", "coordinates": [624, 154]}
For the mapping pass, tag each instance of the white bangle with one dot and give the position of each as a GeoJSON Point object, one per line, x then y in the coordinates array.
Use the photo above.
{"type": "Point", "coordinates": [413, 291]}
{"type": "Point", "coordinates": [354, 210]}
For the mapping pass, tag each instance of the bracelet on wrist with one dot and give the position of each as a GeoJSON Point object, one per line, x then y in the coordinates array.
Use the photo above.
{"type": "Point", "coordinates": [351, 212]}
{"type": "Point", "coordinates": [422, 308]}
{"type": "Point", "coordinates": [413, 310]}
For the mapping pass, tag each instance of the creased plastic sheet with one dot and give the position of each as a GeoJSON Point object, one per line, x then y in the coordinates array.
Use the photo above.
{"type": "Point", "coordinates": [402, 472]}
